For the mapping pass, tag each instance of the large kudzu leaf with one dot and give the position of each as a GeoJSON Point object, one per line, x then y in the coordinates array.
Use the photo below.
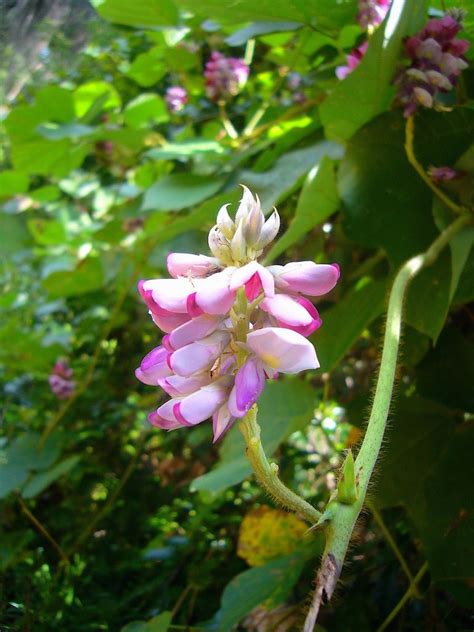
{"type": "Point", "coordinates": [12, 183]}
{"type": "Point", "coordinates": [86, 276]}
{"type": "Point", "coordinates": [284, 407]}
{"type": "Point", "coordinates": [148, 68]}
{"type": "Point", "coordinates": [139, 12]}
{"type": "Point", "coordinates": [318, 200]}
{"type": "Point", "coordinates": [426, 463]}
{"type": "Point", "coordinates": [254, 586]}
{"type": "Point", "coordinates": [179, 191]}
{"type": "Point", "coordinates": [368, 90]}
{"type": "Point", "coordinates": [344, 323]}
{"type": "Point", "coordinates": [277, 183]}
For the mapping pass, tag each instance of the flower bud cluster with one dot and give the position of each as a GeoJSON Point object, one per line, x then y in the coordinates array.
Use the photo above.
{"type": "Point", "coordinates": [444, 174]}
{"type": "Point", "coordinates": [437, 59]}
{"type": "Point", "coordinates": [225, 76]}
{"type": "Point", "coordinates": [176, 98]}
{"type": "Point", "coordinates": [230, 322]}
{"type": "Point", "coordinates": [60, 380]}
{"type": "Point", "coordinates": [372, 12]}
{"type": "Point", "coordinates": [352, 61]}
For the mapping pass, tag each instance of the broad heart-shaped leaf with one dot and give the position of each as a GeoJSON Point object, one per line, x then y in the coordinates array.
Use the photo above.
{"type": "Point", "coordinates": [139, 12]}
{"type": "Point", "coordinates": [178, 191]}
{"type": "Point", "coordinates": [254, 586]}
{"type": "Point", "coordinates": [278, 182]}
{"type": "Point", "coordinates": [344, 323]}
{"type": "Point", "coordinates": [446, 373]}
{"type": "Point", "coordinates": [379, 211]}
{"type": "Point", "coordinates": [318, 200]}
{"type": "Point", "coordinates": [368, 90]}
{"type": "Point", "coordinates": [428, 297]}
{"type": "Point", "coordinates": [284, 407]}
{"type": "Point", "coordinates": [148, 68]}
{"type": "Point", "coordinates": [325, 14]}
{"type": "Point", "coordinates": [43, 157]}
{"type": "Point", "coordinates": [39, 482]}
{"type": "Point", "coordinates": [427, 466]}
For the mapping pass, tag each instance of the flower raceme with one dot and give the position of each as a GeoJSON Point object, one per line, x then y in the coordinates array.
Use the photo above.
{"type": "Point", "coordinates": [230, 323]}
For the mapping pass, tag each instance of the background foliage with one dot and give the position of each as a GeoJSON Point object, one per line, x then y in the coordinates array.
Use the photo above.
{"type": "Point", "coordinates": [107, 524]}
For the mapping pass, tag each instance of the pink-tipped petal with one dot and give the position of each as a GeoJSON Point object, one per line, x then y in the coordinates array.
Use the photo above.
{"type": "Point", "coordinates": [200, 405]}
{"type": "Point", "coordinates": [249, 384]}
{"type": "Point", "coordinates": [214, 295]}
{"type": "Point", "coordinates": [306, 277]}
{"type": "Point", "coordinates": [178, 386]}
{"type": "Point", "coordinates": [153, 367]}
{"type": "Point", "coordinates": [282, 349]}
{"type": "Point", "coordinates": [241, 276]}
{"type": "Point", "coordinates": [184, 264]}
{"type": "Point", "coordinates": [192, 307]}
{"type": "Point", "coordinates": [193, 330]}
{"type": "Point", "coordinates": [160, 422]}
{"type": "Point", "coordinates": [170, 294]}
{"type": "Point", "coordinates": [165, 320]}
{"type": "Point", "coordinates": [222, 420]}
{"type": "Point", "coordinates": [296, 313]}
{"type": "Point", "coordinates": [199, 355]}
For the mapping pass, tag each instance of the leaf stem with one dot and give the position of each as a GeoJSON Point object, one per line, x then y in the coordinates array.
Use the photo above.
{"type": "Point", "coordinates": [267, 473]}
{"type": "Point", "coordinates": [226, 122]}
{"type": "Point", "coordinates": [339, 519]}
{"type": "Point", "coordinates": [412, 159]}
{"type": "Point", "coordinates": [406, 597]}
{"type": "Point", "coordinates": [42, 529]}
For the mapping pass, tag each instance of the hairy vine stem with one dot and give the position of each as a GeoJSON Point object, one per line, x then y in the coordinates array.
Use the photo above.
{"type": "Point", "coordinates": [267, 473]}
{"type": "Point", "coordinates": [340, 518]}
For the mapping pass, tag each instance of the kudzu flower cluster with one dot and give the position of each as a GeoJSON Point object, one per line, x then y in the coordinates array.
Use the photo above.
{"type": "Point", "coordinates": [353, 59]}
{"type": "Point", "coordinates": [437, 59]}
{"type": "Point", "coordinates": [60, 380]}
{"type": "Point", "coordinates": [225, 76]}
{"type": "Point", "coordinates": [230, 322]}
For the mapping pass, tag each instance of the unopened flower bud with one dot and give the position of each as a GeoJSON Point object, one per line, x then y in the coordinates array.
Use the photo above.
{"type": "Point", "coordinates": [269, 231]}
{"type": "Point", "coordinates": [219, 245]}
{"type": "Point", "coordinates": [238, 245]}
{"type": "Point", "coordinates": [225, 223]}
{"type": "Point", "coordinates": [253, 224]}
{"type": "Point", "coordinates": [247, 203]}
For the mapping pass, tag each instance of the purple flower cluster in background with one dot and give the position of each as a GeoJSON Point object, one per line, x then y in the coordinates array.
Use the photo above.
{"type": "Point", "coordinates": [225, 76]}
{"type": "Point", "coordinates": [176, 98]}
{"type": "Point", "coordinates": [444, 174]}
{"type": "Point", "coordinates": [230, 322]}
{"type": "Point", "coordinates": [372, 12]}
{"type": "Point", "coordinates": [353, 60]}
{"type": "Point", "coordinates": [436, 62]}
{"type": "Point", "coordinates": [60, 380]}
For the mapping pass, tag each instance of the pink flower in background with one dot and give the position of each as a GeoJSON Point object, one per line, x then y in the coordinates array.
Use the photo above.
{"type": "Point", "coordinates": [176, 98]}
{"type": "Point", "coordinates": [230, 322]}
{"type": "Point", "coordinates": [372, 12]}
{"type": "Point", "coordinates": [60, 380]}
{"type": "Point", "coordinates": [353, 60]}
{"type": "Point", "coordinates": [437, 59]}
{"type": "Point", "coordinates": [225, 76]}
{"type": "Point", "coordinates": [444, 174]}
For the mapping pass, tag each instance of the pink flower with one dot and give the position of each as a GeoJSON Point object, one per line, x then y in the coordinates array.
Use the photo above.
{"type": "Point", "coordinates": [60, 380]}
{"type": "Point", "coordinates": [230, 322]}
{"type": "Point", "coordinates": [353, 60]}
{"type": "Point", "coordinates": [444, 174]}
{"type": "Point", "coordinates": [176, 98]}
{"type": "Point", "coordinates": [372, 12]}
{"type": "Point", "coordinates": [225, 76]}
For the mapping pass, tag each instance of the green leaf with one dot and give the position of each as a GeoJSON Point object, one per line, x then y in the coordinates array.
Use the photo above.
{"type": "Point", "coordinates": [255, 29]}
{"type": "Point", "coordinates": [145, 110]}
{"type": "Point", "coordinates": [12, 183]}
{"type": "Point", "coordinates": [368, 90]}
{"type": "Point", "coordinates": [277, 183]}
{"type": "Point", "coordinates": [344, 323]}
{"type": "Point", "coordinates": [446, 373]}
{"type": "Point", "coordinates": [428, 297]}
{"type": "Point", "coordinates": [52, 131]}
{"type": "Point", "coordinates": [57, 103]}
{"type": "Point", "coordinates": [148, 68]}
{"type": "Point", "coordinates": [160, 623]}
{"type": "Point", "coordinates": [42, 480]}
{"type": "Point", "coordinates": [179, 191]}
{"type": "Point", "coordinates": [47, 232]}
{"type": "Point", "coordinates": [87, 94]}
{"type": "Point", "coordinates": [87, 276]}
{"type": "Point", "coordinates": [185, 150]}
{"type": "Point", "coordinates": [14, 234]}
{"type": "Point", "coordinates": [139, 12]}
{"type": "Point", "coordinates": [284, 407]}
{"type": "Point", "coordinates": [318, 200]}
{"type": "Point", "coordinates": [44, 157]}
{"type": "Point", "coordinates": [254, 586]}
{"type": "Point", "coordinates": [426, 464]}
{"type": "Point", "coordinates": [325, 14]}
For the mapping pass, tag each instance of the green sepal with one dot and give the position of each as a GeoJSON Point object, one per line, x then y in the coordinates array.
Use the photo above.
{"type": "Point", "coordinates": [347, 486]}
